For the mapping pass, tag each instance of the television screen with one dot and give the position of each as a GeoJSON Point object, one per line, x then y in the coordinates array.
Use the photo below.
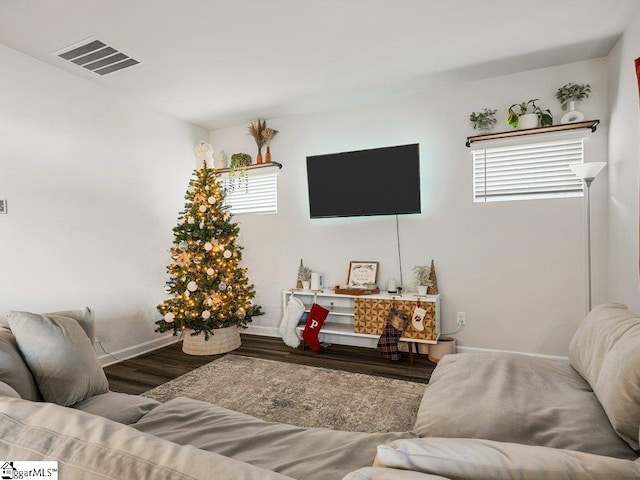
{"type": "Point", "coordinates": [380, 181]}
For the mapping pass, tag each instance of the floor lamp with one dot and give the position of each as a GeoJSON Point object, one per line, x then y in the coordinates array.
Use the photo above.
{"type": "Point", "coordinates": [587, 172]}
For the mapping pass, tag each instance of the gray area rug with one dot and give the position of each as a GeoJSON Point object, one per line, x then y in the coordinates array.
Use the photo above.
{"type": "Point", "coordinates": [300, 395]}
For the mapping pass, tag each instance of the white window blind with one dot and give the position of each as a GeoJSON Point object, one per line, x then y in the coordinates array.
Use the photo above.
{"type": "Point", "coordinates": [527, 171]}
{"type": "Point", "coordinates": [251, 194]}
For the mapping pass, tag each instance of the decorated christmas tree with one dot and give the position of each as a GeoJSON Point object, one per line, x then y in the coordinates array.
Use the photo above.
{"type": "Point", "coordinates": [208, 289]}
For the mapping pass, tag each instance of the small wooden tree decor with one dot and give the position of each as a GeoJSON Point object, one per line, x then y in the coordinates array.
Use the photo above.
{"type": "Point", "coordinates": [433, 288]}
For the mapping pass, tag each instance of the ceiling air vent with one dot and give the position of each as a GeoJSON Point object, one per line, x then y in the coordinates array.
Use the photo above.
{"type": "Point", "coordinates": [97, 57]}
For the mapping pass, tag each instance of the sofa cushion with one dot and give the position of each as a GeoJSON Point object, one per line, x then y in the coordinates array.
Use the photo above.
{"type": "Point", "coordinates": [606, 351]}
{"type": "Point", "coordinates": [13, 369]}
{"type": "Point", "coordinates": [309, 453]}
{"type": "Point", "coordinates": [90, 447]}
{"type": "Point", "coordinates": [118, 407]}
{"type": "Point", "coordinates": [7, 391]}
{"type": "Point", "coordinates": [60, 356]}
{"type": "Point", "coordinates": [381, 473]}
{"type": "Point", "coordinates": [461, 458]}
{"type": "Point", "coordinates": [516, 398]}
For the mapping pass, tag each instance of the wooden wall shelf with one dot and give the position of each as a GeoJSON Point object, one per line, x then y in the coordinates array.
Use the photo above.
{"type": "Point", "coordinates": [254, 166]}
{"type": "Point", "coordinates": [590, 124]}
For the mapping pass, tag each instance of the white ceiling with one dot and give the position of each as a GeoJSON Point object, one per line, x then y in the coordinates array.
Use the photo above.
{"type": "Point", "coordinates": [216, 63]}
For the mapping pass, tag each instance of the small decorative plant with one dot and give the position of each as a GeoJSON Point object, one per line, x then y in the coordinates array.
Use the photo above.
{"type": "Point", "coordinates": [304, 274]}
{"type": "Point", "coordinates": [238, 168]}
{"type": "Point", "coordinates": [268, 133]}
{"type": "Point", "coordinates": [422, 274]}
{"type": "Point", "coordinates": [518, 109]}
{"type": "Point", "coordinates": [423, 278]}
{"type": "Point", "coordinates": [572, 92]}
{"type": "Point", "coordinates": [484, 120]}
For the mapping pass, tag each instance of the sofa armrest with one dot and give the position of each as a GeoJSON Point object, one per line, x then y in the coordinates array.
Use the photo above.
{"type": "Point", "coordinates": [475, 459]}
{"type": "Point", "coordinates": [89, 447]}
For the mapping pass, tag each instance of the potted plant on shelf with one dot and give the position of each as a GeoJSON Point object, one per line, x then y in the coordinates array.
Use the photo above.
{"type": "Point", "coordinates": [568, 95]}
{"type": "Point", "coordinates": [305, 277]}
{"type": "Point", "coordinates": [528, 115]}
{"type": "Point", "coordinates": [483, 121]}
{"type": "Point", "coordinates": [423, 280]}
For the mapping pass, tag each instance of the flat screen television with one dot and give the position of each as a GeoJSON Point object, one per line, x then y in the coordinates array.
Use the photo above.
{"type": "Point", "coordinates": [379, 181]}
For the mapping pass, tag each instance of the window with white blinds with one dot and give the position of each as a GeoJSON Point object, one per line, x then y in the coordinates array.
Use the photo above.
{"type": "Point", "coordinates": [251, 194]}
{"type": "Point", "coordinates": [527, 171]}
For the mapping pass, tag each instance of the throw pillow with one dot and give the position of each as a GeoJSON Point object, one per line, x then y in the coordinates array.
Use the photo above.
{"type": "Point", "coordinates": [13, 369]}
{"type": "Point", "coordinates": [7, 391]}
{"type": "Point", "coordinates": [605, 350]}
{"type": "Point", "coordinates": [60, 356]}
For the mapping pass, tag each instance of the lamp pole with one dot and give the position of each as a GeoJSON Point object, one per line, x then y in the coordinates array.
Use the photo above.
{"type": "Point", "coordinates": [587, 172]}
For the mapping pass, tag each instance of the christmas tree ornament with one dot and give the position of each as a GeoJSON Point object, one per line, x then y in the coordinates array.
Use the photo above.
{"type": "Point", "coordinates": [241, 313]}
{"type": "Point", "coordinates": [208, 246]}
{"type": "Point", "coordinates": [206, 314]}
{"type": "Point", "coordinates": [209, 302]}
{"type": "Point", "coordinates": [187, 293]}
{"type": "Point", "coordinates": [202, 208]}
{"type": "Point", "coordinates": [181, 221]}
{"type": "Point", "coordinates": [169, 317]}
{"type": "Point", "coordinates": [210, 272]}
{"type": "Point", "coordinates": [201, 226]}
{"type": "Point", "coordinates": [191, 189]}
{"type": "Point", "coordinates": [191, 220]}
{"type": "Point", "coordinates": [315, 320]}
{"type": "Point", "coordinates": [211, 200]}
{"type": "Point", "coordinates": [222, 286]}
{"type": "Point", "coordinates": [229, 288]}
{"type": "Point", "coordinates": [183, 245]}
{"type": "Point", "coordinates": [227, 254]}
{"type": "Point", "coordinates": [167, 289]}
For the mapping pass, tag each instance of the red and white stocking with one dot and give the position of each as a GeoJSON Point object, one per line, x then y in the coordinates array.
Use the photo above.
{"type": "Point", "coordinates": [316, 318]}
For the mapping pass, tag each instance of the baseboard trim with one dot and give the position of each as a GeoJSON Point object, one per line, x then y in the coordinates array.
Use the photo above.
{"type": "Point", "coordinates": [274, 332]}
{"type": "Point", "coordinates": [110, 358]}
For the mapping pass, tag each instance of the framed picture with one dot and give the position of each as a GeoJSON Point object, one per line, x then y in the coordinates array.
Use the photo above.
{"type": "Point", "coordinates": [362, 274]}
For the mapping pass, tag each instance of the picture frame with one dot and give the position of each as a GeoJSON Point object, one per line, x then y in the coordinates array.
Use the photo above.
{"type": "Point", "coordinates": [362, 274]}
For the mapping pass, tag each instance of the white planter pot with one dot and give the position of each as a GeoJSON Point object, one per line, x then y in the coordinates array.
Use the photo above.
{"type": "Point", "coordinates": [422, 289]}
{"type": "Point", "coordinates": [530, 120]}
{"type": "Point", "coordinates": [572, 115]}
{"type": "Point", "coordinates": [445, 346]}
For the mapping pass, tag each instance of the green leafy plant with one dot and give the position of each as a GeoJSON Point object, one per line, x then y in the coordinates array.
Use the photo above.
{"type": "Point", "coordinates": [518, 109]}
{"type": "Point", "coordinates": [484, 120]}
{"type": "Point", "coordinates": [572, 92]}
{"type": "Point", "coordinates": [304, 274]}
{"type": "Point", "coordinates": [239, 164]}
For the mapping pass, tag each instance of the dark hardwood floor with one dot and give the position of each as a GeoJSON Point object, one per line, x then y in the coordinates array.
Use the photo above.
{"type": "Point", "coordinates": [137, 375]}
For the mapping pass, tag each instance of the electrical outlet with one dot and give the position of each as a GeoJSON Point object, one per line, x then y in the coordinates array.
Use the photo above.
{"type": "Point", "coordinates": [462, 319]}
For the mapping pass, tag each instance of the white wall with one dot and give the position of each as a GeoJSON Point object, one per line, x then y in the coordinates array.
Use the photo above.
{"type": "Point", "coordinates": [94, 181]}
{"type": "Point", "coordinates": [517, 269]}
{"type": "Point", "coordinates": [624, 172]}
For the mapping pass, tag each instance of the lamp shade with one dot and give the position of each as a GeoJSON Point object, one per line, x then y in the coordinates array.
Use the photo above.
{"type": "Point", "coordinates": [588, 171]}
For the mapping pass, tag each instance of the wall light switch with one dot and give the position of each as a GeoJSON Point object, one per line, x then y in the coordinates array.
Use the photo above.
{"type": "Point", "coordinates": [3, 206]}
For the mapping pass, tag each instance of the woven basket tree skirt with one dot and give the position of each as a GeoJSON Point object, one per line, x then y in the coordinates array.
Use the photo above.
{"type": "Point", "coordinates": [223, 340]}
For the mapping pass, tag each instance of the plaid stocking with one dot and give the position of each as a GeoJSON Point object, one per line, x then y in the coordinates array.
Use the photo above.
{"type": "Point", "coordinates": [388, 342]}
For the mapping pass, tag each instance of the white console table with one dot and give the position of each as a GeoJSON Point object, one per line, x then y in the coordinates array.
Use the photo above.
{"type": "Point", "coordinates": [352, 319]}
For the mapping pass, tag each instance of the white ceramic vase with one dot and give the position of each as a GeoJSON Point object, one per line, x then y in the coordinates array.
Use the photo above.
{"type": "Point", "coordinates": [528, 120]}
{"type": "Point", "coordinates": [572, 116]}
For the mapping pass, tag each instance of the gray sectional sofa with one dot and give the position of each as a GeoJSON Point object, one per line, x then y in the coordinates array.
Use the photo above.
{"type": "Point", "coordinates": [483, 416]}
